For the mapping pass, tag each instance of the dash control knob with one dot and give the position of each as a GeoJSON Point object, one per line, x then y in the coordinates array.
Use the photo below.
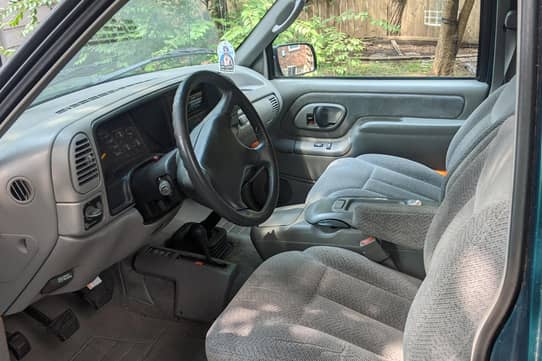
{"type": "Point", "coordinates": [93, 212]}
{"type": "Point", "coordinates": [165, 188]}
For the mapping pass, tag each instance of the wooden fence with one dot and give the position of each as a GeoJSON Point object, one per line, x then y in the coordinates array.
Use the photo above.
{"type": "Point", "coordinates": [413, 24]}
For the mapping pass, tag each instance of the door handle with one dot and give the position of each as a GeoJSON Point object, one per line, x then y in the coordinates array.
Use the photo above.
{"type": "Point", "coordinates": [320, 116]}
{"type": "Point", "coordinates": [323, 116]}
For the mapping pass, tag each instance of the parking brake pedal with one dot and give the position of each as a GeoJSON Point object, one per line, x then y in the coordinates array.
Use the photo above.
{"type": "Point", "coordinates": [63, 326]}
{"type": "Point", "coordinates": [18, 345]}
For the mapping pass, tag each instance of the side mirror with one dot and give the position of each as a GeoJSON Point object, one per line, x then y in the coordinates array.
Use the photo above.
{"type": "Point", "coordinates": [295, 59]}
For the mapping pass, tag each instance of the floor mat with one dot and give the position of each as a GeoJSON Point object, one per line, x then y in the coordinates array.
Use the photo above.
{"type": "Point", "coordinates": [102, 348]}
{"type": "Point", "coordinates": [113, 333]}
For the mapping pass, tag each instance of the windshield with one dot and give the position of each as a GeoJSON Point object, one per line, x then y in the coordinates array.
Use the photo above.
{"type": "Point", "coordinates": [150, 35]}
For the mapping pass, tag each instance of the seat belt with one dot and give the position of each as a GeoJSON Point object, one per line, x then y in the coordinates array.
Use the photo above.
{"type": "Point", "coordinates": [503, 69]}
{"type": "Point", "coordinates": [510, 43]}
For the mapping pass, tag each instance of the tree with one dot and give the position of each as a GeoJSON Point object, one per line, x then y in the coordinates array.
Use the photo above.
{"type": "Point", "coordinates": [451, 35]}
{"type": "Point", "coordinates": [396, 8]}
{"type": "Point", "coordinates": [218, 10]}
{"type": "Point", "coordinates": [12, 15]}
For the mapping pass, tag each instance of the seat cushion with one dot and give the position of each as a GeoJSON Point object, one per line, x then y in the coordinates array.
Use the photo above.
{"type": "Point", "coordinates": [377, 175]}
{"type": "Point", "coordinates": [322, 304]}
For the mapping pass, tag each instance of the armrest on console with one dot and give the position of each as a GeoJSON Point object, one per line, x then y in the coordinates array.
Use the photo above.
{"type": "Point", "coordinates": [400, 223]}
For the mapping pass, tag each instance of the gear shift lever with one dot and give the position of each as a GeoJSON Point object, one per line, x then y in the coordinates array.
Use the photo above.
{"type": "Point", "coordinates": [199, 233]}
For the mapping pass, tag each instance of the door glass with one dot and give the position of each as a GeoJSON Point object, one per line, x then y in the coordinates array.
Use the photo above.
{"type": "Point", "coordinates": [393, 38]}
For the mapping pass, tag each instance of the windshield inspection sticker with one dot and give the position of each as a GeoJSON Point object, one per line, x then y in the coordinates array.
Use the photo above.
{"type": "Point", "coordinates": [226, 57]}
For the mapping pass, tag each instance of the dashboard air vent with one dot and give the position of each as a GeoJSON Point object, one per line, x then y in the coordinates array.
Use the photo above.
{"type": "Point", "coordinates": [274, 103]}
{"type": "Point", "coordinates": [20, 190]}
{"type": "Point", "coordinates": [84, 166]}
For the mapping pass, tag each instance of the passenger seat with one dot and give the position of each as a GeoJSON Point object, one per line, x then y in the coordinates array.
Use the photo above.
{"type": "Point", "coordinates": [378, 175]}
{"type": "Point", "coordinates": [314, 223]}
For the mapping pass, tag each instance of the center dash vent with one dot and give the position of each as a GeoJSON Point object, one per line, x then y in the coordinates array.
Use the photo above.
{"type": "Point", "coordinates": [274, 103]}
{"type": "Point", "coordinates": [84, 167]}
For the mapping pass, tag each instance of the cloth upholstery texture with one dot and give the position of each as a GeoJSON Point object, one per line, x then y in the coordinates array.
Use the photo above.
{"type": "Point", "coordinates": [333, 304]}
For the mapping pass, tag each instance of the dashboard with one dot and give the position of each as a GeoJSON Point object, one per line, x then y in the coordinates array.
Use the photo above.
{"type": "Point", "coordinates": [74, 157]}
{"type": "Point", "coordinates": [129, 139]}
{"type": "Point", "coordinates": [133, 137]}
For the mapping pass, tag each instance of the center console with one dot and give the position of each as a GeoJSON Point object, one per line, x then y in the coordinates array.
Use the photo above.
{"type": "Point", "coordinates": [382, 229]}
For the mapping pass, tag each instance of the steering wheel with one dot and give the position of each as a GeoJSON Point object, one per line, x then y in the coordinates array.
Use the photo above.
{"type": "Point", "coordinates": [218, 166]}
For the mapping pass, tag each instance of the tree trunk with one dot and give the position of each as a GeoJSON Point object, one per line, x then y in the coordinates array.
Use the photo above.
{"type": "Point", "coordinates": [451, 35]}
{"type": "Point", "coordinates": [218, 9]}
{"type": "Point", "coordinates": [463, 20]}
{"type": "Point", "coordinates": [447, 45]}
{"type": "Point", "coordinates": [396, 8]}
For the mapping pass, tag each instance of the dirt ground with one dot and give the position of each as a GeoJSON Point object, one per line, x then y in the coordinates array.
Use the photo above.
{"type": "Point", "coordinates": [380, 48]}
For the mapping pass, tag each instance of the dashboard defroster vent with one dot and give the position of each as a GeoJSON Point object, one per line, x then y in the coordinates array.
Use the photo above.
{"type": "Point", "coordinates": [20, 190]}
{"type": "Point", "coordinates": [274, 103]}
{"type": "Point", "coordinates": [84, 166]}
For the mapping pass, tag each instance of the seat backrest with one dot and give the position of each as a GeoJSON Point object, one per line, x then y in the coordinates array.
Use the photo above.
{"type": "Point", "coordinates": [493, 111]}
{"type": "Point", "coordinates": [465, 252]}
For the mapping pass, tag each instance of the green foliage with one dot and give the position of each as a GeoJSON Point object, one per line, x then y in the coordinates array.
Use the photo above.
{"type": "Point", "coordinates": [239, 24]}
{"type": "Point", "coordinates": [332, 46]}
{"type": "Point", "coordinates": [390, 28]}
{"type": "Point", "coordinates": [17, 11]}
{"type": "Point", "coordinates": [156, 28]}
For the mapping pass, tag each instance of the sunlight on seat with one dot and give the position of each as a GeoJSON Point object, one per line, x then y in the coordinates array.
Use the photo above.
{"type": "Point", "coordinates": [238, 321]}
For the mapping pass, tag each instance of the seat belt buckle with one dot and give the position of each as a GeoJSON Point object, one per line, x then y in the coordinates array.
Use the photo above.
{"type": "Point", "coordinates": [371, 248]}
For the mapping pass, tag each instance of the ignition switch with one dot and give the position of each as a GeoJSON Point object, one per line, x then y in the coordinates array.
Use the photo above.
{"type": "Point", "coordinates": [165, 188]}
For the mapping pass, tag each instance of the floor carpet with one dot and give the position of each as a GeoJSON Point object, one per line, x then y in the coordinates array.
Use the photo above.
{"type": "Point", "coordinates": [116, 332]}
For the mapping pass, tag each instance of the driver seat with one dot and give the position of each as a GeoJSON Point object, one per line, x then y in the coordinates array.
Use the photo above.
{"type": "Point", "coordinates": [328, 304]}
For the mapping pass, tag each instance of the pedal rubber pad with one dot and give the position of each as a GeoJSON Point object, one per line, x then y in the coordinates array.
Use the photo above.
{"type": "Point", "coordinates": [65, 325]}
{"type": "Point", "coordinates": [19, 345]}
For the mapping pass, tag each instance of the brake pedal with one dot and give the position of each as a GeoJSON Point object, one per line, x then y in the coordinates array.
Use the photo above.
{"type": "Point", "coordinates": [18, 344]}
{"type": "Point", "coordinates": [63, 326]}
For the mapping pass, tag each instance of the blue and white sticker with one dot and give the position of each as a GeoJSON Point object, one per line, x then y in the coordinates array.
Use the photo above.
{"type": "Point", "coordinates": [226, 57]}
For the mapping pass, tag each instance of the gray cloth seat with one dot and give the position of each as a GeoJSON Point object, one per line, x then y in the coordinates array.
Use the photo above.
{"type": "Point", "coordinates": [332, 304]}
{"type": "Point", "coordinates": [378, 175]}
{"type": "Point", "coordinates": [387, 176]}
{"type": "Point", "coordinates": [321, 304]}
